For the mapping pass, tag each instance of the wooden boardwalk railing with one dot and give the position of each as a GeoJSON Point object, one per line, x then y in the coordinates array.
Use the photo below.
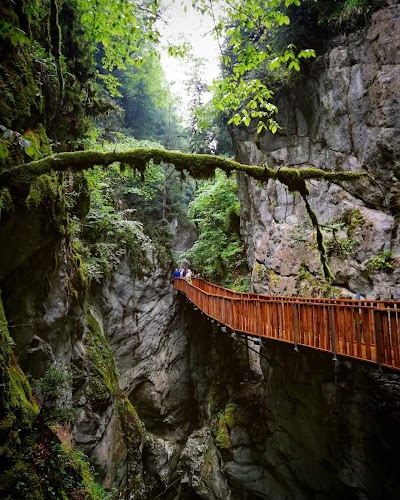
{"type": "Point", "coordinates": [368, 330]}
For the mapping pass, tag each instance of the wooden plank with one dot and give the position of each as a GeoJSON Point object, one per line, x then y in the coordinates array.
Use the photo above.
{"type": "Point", "coordinates": [350, 329]}
{"type": "Point", "coordinates": [387, 338]}
{"type": "Point", "coordinates": [394, 325]}
{"type": "Point", "coordinates": [366, 315]}
{"type": "Point", "coordinates": [357, 331]}
{"type": "Point", "coordinates": [327, 337]}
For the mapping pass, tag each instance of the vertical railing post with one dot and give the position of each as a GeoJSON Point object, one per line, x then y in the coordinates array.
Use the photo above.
{"type": "Point", "coordinates": [333, 338]}
{"type": "Point", "coordinates": [295, 327]}
{"type": "Point", "coordinates": [378, 346]}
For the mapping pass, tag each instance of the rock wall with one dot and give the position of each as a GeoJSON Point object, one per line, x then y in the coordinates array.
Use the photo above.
{"type": "Point", "coordinates": [280, 424]}
{"type": "Point", "coordinates": [125, 342]}
{"type": "Point", "coordinates": [343, 113]}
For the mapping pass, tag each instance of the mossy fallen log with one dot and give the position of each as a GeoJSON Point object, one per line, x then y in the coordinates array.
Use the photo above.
{"type": "Point", "coordinates": [199, 166]}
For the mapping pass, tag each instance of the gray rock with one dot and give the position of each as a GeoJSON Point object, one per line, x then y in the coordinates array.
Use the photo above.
{"type": "Point", "coordinates": [344, 116]}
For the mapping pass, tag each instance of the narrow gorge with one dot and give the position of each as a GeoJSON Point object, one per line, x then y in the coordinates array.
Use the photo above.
{"type": "Point", "coordinates": [164, 403]}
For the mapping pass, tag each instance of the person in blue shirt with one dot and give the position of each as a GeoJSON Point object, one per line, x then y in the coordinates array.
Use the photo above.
{"type": "Point", "coordinates": [177, 273]}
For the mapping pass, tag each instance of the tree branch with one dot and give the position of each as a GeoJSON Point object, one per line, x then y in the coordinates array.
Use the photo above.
{"type": "Point", "coordinates": [197, 165]}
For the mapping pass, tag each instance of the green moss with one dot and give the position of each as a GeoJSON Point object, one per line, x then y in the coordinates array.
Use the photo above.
{"type": "Point", "coordinates": [40, 145]}
{"type": "Point", "coordinates": [381, 262]}
{"type": "Point", "coordinates": [133, 428]}
{"type": "Point", "coordinates": [102, 379]}
{"type": "Point", "coordinates": [42, 189]}
{"type": "Point", "coordinates": [197, 165]}
{"type": "Point", "coordinates": [53, 471]}
{"type": "Point", "coordinates": [33, 463]}
{"type": "Point", "coordinates": [260, 271]}
{"type": "Point", "coordinates": [273, 278]}
{"type": "Point", "coordinates": [354, 220]}
{"type": "Point", "coordinates": [320, 241]}
{"type": "Point", "coordinates": [18, 408]}
{"type": "Point", "coordinates": [217, 397]}
{"type": "Point", "coordinates": [311, 286]}
{"type": "Point", "coordinates": [226, 422]}
{"type": "Point", "coordinates": [6, 202]}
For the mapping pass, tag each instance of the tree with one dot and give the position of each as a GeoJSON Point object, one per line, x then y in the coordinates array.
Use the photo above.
{"type": "Point", "coordinates": [208, 130]}
{"type": "Point", "coordinates": [246, 27]}
{"type": "Point", "coordinates": [215, 211]}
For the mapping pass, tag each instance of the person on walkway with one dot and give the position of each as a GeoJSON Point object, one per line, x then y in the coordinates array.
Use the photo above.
{"type": "Point", "coordinates": [183, 273]}
{"type": "Point", "coordinates": [177, 273]}
{"type": "Point", "coordinates": [189, 276]}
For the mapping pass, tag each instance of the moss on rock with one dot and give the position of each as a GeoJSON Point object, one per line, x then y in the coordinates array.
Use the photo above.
{"type": "Point", "coordinates": [6, 202]}
{"type": "Point", "coordinates": [225, 422]}
{"type": "Point", "coordinates": [103, 383]}
{"type": "Point", "coordinates": [18, 409]}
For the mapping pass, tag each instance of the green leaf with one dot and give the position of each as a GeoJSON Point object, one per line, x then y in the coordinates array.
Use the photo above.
{"type": "Point", "coordinates": [294, 65]}
{"type": "Point", "coordinates": [246, 120]}
{"type": "Point", "coordinates": [18, 37]}
{"type": "Point", "coordinates": [30, 151]}
{"type": "Point", "coordinates": [3, 151]}
{"type": "Point", "coordinates": [307, 53]}
{"type": "Point", "coordinates": [275, 63]}
{"type": "Point", "coordinates": [261, 126]}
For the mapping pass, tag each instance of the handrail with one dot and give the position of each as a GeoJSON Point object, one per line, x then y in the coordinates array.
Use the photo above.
{"type": "Point", "coordinates": [367, 330]}
{"type": "Point", "coordinates": [219, 290]}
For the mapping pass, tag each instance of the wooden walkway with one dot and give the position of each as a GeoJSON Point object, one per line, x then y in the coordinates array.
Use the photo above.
{"type": "Point", "coordinates": [368, 330]}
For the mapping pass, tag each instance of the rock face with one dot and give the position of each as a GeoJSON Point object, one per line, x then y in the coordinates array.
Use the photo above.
{"type": "Point", "coordinates": [344, 114]}
{"type": "Point", "coordinates": [288, 424]}
{"type": "Point", "coordinates": [149, 344]}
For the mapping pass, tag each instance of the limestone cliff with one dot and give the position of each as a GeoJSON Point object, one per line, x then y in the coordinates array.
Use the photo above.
{"type": "Point", "coordinates": [342, 114]}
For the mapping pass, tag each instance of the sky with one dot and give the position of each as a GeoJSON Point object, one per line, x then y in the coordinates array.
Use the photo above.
{"type": "Point", "coordinates": [195, 29]}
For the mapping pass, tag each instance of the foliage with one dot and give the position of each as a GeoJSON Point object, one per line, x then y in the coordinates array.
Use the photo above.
{"type": "Point", "coordinates": [349, 9]}
{"type": "Point", "coordinates": [118, 30]}
{"type": "Point", "coordinates": [149, 107]}
{"type": "Point", "coordinates": [208, 130]}
{"type": "Point", "coordinates": [110, 232]}
{"type": "Point", "coordinates": [313, 286]}
{"type": "Point", "coordinates": [226, 420]}
{"type": "Point", "coordinates": [130, 215]}
{"type": "Point", "coordinates": [381, 262]}
{"type": "Point", "coordinates": [353, 221]}
{"type": "Point", "coordinates": [337, 244]}
{"type": "Point", "coordinates": [215, 211]}
{"type": "Point", "coordinates": [247, 28]}
{"type": "Point", "coordinates": [54, 389]}
{"type": "Point", "coordinates": [6, 203]}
